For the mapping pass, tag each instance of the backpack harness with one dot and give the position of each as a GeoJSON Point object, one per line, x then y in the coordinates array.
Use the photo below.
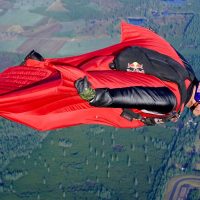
{"type": "Point", "coordinates": [160, 66]}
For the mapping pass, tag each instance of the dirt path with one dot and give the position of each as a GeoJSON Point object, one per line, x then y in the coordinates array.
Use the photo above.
{"type": "Point", "coordinates": [180, 186]}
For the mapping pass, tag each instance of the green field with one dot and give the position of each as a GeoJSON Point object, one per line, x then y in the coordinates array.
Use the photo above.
{"type": "Point", "coordinates": [22, 17]}
{"type": "Point", "coordinates": [83, 46]}
{"type": "Point", "coordinates": [29, 5]}
{"type": "Point", "coordinates": [84, 9]}
{"type": "Point", "coordinates": [93, 162]}
{"type": "Point", "coordinates": [11, 45]}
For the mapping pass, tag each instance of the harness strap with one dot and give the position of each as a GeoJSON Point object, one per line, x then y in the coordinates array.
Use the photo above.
{"type": "Point", "coordinates": [130, 115]}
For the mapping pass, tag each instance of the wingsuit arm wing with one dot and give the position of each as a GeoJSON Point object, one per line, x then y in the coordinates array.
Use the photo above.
{"type": "Point", "coordinates": [159, 99]}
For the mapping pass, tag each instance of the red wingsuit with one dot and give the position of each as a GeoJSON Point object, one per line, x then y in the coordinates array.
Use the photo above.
{"type": "Point", "coordinates": [41, 94]}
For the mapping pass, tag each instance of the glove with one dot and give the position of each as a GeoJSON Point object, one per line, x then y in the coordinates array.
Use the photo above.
{"type": "Point", "coordinates": [85, 91]}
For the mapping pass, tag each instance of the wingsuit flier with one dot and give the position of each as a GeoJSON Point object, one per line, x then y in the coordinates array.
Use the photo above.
{"type": "Point", "coordinates": [140, 81]}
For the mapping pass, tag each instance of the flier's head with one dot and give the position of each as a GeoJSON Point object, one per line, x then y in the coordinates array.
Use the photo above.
{"type": "Point", "coordinates": [195, 100]}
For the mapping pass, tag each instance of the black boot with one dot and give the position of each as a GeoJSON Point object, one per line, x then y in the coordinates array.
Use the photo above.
{"type": "Point", "coordinates": [33, 55]}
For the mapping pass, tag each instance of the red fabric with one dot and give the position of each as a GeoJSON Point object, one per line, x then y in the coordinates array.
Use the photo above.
{"type": "Point", "coordinates": [54, 103]}
{"type": "Point", "coordinates": [18, 77]}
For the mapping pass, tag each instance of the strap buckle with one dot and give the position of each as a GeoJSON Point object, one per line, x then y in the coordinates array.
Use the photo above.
{"type": "Point", "coordinates": [130, 115]}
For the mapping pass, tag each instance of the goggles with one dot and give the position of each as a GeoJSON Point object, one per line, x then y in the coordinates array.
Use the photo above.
{"type": "Point", "coordinates": [196, 97]}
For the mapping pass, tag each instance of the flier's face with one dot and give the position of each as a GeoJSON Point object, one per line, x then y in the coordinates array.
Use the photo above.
{"type": "Point", "coordinates": [196, 101]}
{"type": "Point", "coordinates": [196, 111]}
{"type": "Point", "coordinates": [197, 93]}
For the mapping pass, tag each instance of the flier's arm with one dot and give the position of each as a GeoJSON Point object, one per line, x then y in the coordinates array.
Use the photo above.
{"type": "Point", "coordinates": [157, 99]}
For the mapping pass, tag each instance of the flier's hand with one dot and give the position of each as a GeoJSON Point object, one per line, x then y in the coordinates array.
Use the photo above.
{"type": "Point", "coordinates": [84, 89]}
